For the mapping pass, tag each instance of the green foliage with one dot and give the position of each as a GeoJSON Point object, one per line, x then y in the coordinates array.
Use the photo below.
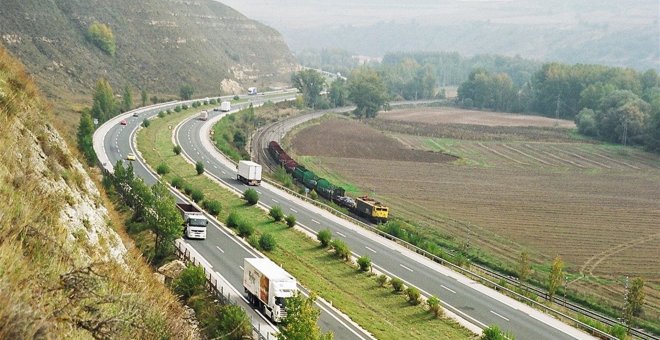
{"type": "Point", "coordinates": [214, 207]}
{"type": "Point", "coordinates": [301, 321]}
{"type": "Point", "coordinates": [313, 195]}
{"type": "Point", "coordinates": [188, 188]}
{"type": "Point", "coordinates": [253, 241]}
{"type": "Point", "coordinates": [556, 276]}
{"type": "Point", "coordinates": [146, 122]}
{"type": "Point", "coordinates": [197, 195]}
{"type": "Point", "coordinates": [413, 295]}
{"type": "Point", "coordinates": [397, 284]}
{"type": "Point", "coordinates": [239, 139]}
{"type": "Point", "coordinates": [104, 106]}
{"type": "Point", "coordinates": [144, 97]}
{"type": "Point", "coordinates": [634, 300]}
{"type": "Point", "coordinates": [166, 221]}
{"type": "Point", "coordinates": [186, 91]}
{"type": "Point", "coordinates": [101, 36]}
{"type": "Point", "coordinates": [195, 105]}
{"type": "Point", "coordinates": [236, 98]}
{"type": "Point", "coordinates": [85, 141]}
{"type": "Point", "coordinates": [618, 331]}
{"type": "Point", "coordinates": [162, 169]}
{"type": "Point", "coordinates": [177, 149]}
{"type": "Point", "coordinates": [267, 242]}
{"type": "Point", "coordinates": [213, 101]}
{"type": "Point", "coordinates": [127, 99]}
{"type": "Point", "coordinates": [494, 333]}
{"type": "Point", "coordinates": [367, 90]}
{"type": "Point", "coordinates": [251, 196]}
{"type": "Point", "coordinates": [486, 90]}
{"type": "Point", "coordinates": [324, 236]}
{"type": "Point", "coordinates": [365, 263]}
{"type": "Point", "coordinates": [341, 249]}
{"type": "Point", "coordinates": [290, 221]}
{"type": "Point", "coordinates": [190, 282]}
{"type": "Point", "coordinates": [524, 269]}
{"type": "Point", "coordinates": [283, 177]}
{"type": "Point", "coordinates": [381, 280]}
{"type": "Point", "coordinates": [177, 182]}
{"type": "Point", "coordinates": [434, 306]}
{"type": "Point", "coordinates": [199, 167]}
{"type": "Point", "coordinates": [245, 229]}
{"type": "Point", "coordinates": [233, 220]}
{"type": "Point", "coordinates": [234, 323]}
{"type": "Point", "coordinates": [177, 108]}
{"type": "Point", "coordinates": [586, 123]}
{"type": "Point", "coordinates": [338, 93]}
{"type": "Point", "coordinates": [161, 114]}
{"type": "Point", "coordinates": [310, 83]}
{"type": "Point", "coordinates": [276, 213]}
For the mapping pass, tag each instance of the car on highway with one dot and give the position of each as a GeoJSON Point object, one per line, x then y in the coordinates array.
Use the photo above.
{"type": "Point", "coordinates": [135, 114]}
{"type": "Point", "coordinates": [130, 157]}
{"type": "Point", "coordinates": [123, 122]}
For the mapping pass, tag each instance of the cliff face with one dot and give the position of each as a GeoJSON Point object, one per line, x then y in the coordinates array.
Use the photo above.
{"type": "Point", "coordinates": [64, 271]}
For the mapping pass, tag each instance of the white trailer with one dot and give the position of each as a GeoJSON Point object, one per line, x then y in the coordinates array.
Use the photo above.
{"type": "Point", "coordinates": [267, 286]}
{"type": "Point", "coordinates": [249, 173]}
{"type": "Point", "coordinates": [225, 106]}
{"type": "Point", "coordinates": [194, 221]}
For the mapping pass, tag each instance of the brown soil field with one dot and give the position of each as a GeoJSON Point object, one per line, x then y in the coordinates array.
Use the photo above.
{"type": "Point", "coordinates": [597, 206]}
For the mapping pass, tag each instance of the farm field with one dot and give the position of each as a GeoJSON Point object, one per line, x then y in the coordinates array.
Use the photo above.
{"type": "Point", "coordinates": [532, 187]}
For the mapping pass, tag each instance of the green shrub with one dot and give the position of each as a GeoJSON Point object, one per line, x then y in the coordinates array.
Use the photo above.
{"type": "Point", "coordinates": [146, 122]}
{"type": "Point", "coordinates": [324, 236]}
{"type": "Point", "coordinates": [291, 221]}
{"type": "Point", "coordinates": [251, 196]}
{"type": "Point", "coordinates": [236, 98]}
{"type": "Point", "coordinates": [618, 331]}
{"type": "Point", "coordinates": [313, 195]}
{"type": "Point", "coordinates": [276, 213]}
{"type": "Point", "coordinates": [197, 195]}
{"type": "Point", "coordinates": [195, 104]}
{"type": "Point", "coordinates": [162, 169]}
{"type": "Point", "coordinates": [253, 241]}
{"type": "Point", "coordinates": [184, 107]}
{"type": "Point", "coordinates": [190, 282]}
{"type": "Point", "coordinates": [245, 229]}
{"type": "Point", "coordinates": [177, 149]}
{"type": "Point", "coordinates": [101, 36]}
{"type": "Point", "coordinates": [232, 323]}
{"type": "Point", "coordinates": [177, 182]}
{"type": "Point", "coordinates": [213, 101]}
{"type": "Point", "coordinates": [434, 306]}
{"type": "Point", "coordinates": [213, 207]}
{"type": "Point", "coordinates": [382, 280]}
{"type": "Point", "coordinates": [365, 263]}
{"type": "Point", "coordinates": [397, 284]}
{"type": "Point", "coordinates": [413, 295]}
{"type": "Point", "coordinates": [187, 188]}
{"type": "Point", "coordinates": [341, 249]}
{"type": "Point", "coordinates": [495, 333]}
{"type": "Point", "coordinates": [199, 167]}
{"type": "Point", "coordinates": [267, 242]}
{"type": "Point", "coordinates": [177, 108]}
{"type": "Point", "coordinates": [161, 114]}
{"type": "Point", "coordinates": [233, 220]}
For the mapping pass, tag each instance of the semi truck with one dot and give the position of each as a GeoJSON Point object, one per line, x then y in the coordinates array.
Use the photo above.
{"type": "Point", "coordinates": [194, 221]}
{"type": "Point", "coordinates": [225, 106]}
{"type": "Point", "coordinates": [267, 286]}
{"type": "Point", "coordinates": [249, 173]}
{"type": "Point", "coordinates": [204, 115]}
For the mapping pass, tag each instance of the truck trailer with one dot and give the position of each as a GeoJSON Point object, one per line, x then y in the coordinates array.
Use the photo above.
{"type": "Point", "coordinates": [267, 286]}
{"type": "Point", "coordinates": [249, 173]}
{"type": "Point", "coordinates": [204, 115]}
{"type": "Point", "coordinates": [194, 221]}
{"type": "Point", "coordinates": [225, 106]}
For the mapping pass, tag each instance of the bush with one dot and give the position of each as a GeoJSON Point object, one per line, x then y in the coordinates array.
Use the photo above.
{"type": "Point", "coordinates": [101, 36]}
{"type": "Point", "coordinates": [236, 98]}
{"type": "Point", "coordinates": [184, 107]}
{"type": "Point", "coordinates": [195, 104]}
{"type": "Point", "coordinates": [146, 122]}
{"type": "Point", "coordinates": [177, 149]}
{"type": "Point", "coordinates": [197, 195]}
{"type": "Point", "coordinates": [291, 221]}
{"type": "Point", "coordinates": [276, 213]}
{"type": "Point", "coordinates": [313, 195]}
{"type": "Point", "coordinates": [213, 101]}
{"type": "Point", "coordinates": [434, 306]}
{"type": "Point", "coordinates": [161, 114]}
{"type": "Point", "coordinates": [177, 182]}
{"type": "Point", "coordinates": [495, 333]}
{"type": "Point", "coordinates": [324, 236]}
{"type": "Point", "coordinates": [267, 242]}
{"type": "Point", "coordinates": [162, 169]}
{"type": "Point", "coordinates": [233, 220]}
{"type": "Point", "coordinates": [245, 229]}
{"type": "Point", "coordinates": [341, 249]}
{"type": "Point", "coordinates": [233, 323]}
{"type": "Point", "coordinates": [397, 284]}
{"type": "Point", "coordinates": [190, 282]}
{"type": "Point", "coordinates": [213, 207]}
{"type": "Point", "coordinates": [187, 188]}
{"type": "Point", "coordinates": [177, 108]}
{"type": "Point", "coordinates": [618, 331]}
{"type": "Point", "coordinates": [413, 295]}
{"type": "Point", "coordinates": [199, 167]}
{"type": "Point", "coordinates": [382, 280]}
{"type": "Point", "coordinates": [253, 241]}
{"type": "Point", "coordinates": [251, 196]}
{"type": "Point", "coordinates": [365, 263]}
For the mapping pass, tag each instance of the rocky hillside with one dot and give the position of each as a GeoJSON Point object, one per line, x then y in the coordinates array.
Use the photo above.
{"type": "Point", "coordinates": [64, 271]}
{"type": "Point", "coordinates": [160, 45]}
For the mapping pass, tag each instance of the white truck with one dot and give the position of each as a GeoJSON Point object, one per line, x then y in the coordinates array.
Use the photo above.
{"type": "Point", "coordinates": [194, 221]}
{"type": "Point", "coordinates": [204, 115]}
{"type": "Point", "coordinates": [252, 90]}
{"type": "Point", "coordinates": [225, 106]}
{"type": "Point", "coordinates": [267, 286]}
{"type": "Point", "coordinates": [249, 173]}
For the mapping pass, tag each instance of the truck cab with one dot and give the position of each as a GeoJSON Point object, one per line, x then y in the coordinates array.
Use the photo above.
{"type": "Point", "coordinates": [194, 221]}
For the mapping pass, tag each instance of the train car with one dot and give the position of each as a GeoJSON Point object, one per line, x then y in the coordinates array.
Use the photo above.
{"type": "Point", "coordinates": [290, 166]}
{"type": "Point", "coordinates": [299, 172]}
{"type": "Point", "coordinates": [325, 188]}
{"type": "Point", "coordinates": [371, 209]}
{"type": "Point", "coordinates": [309, 179]}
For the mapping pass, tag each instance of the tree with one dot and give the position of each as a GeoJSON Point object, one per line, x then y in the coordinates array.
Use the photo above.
{"type": "Point", "coordinates": [434, 306]}
{"type": "Point", "coordinates": [365, 263]}
{"type": "Point", "coordinates": [634, 300]}
{"type": "Point", "coordinates": [234, 323]}
{"type": "Point", "coordinates": [523, 268]}
{"type": "Point", "coordinates": [556, 276]}
{"type": "Point", "coordinates": [144, 97]}
{"type": "Point", "coordinates": [177, 149]}
{"type": "Point", "coordinates": [623, 117]}
{"type": "Point", "coordinates": [301, 320]}
{"type": "Point", "coordinates": [267, 242]}
{"type": "Point", "coordinates": [397, 284]}
{"type": "Point", "coordinates": [324, 236]}
{"type": "Point", "coordinates": [199, 167]}
{"type": "Point", "coordinates": [190, 282]}
{"type": "Point", "coordinates": [338, 92]}
{"type": "Point", "coordinates": [414, 296]}
{"type": "Point", "coordinates": [239, 139]}
{"type": "Point", "coordinates": [186, 91]}
{"type": "Point", "coordinates": [85, 141]}
{"type": "Point", "coordinates": [586, 122]}
{"type": "Point", "coordinates": [341, 249]}
{"type": "Point", "coordinates": [164, 219]}
{"type": "Point", "coordinates": [251, 196]}
{"type": "Point", "coordinates": [290, 221]}
{"type": "Point", "coordinates": [104, 106]}
{"type": "Point", "coordinates": [146, 122]}
{"type": "Point", "coordinates": [127, 99]}
{"type": "Point", "coordinates": [101, 36]}
{"type": "Point", "coordinates": [310, 83]}
{"type": "Point", "coordinates": [276, 213]}
{"type": "Point", "coordinates": [367, 90]}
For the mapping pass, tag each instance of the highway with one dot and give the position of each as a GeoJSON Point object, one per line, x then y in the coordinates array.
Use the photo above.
{"type": "Point", "coordinates": [222, 251]}
{"type": "Point", "coordinates": [471, 301]}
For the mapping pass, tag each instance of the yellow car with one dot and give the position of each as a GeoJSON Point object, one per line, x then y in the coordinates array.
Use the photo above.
{"type": "Point", "coordinates": [130, 157]}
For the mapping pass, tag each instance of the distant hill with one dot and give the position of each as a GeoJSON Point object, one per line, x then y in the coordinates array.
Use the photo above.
{"type": "Point", "coordinates": [160, 45]}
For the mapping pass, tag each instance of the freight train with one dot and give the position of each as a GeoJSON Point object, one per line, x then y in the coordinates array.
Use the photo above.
{"type": "Point", "coordinates": [361, 206]}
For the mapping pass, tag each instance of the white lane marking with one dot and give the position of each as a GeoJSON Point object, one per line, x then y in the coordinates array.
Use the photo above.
{"type": "Point", "coordinates": [241, 267]}
{"type": "Point", "coordinates": [224, 173]}
{"type": "Point", "coordinates": [274, 200]}
{"type": "Point", "coordinates": [340, 234]}
{"type": "Point", "coordinates": [370, 249]}
{"type": "Point", "coordinates": [405, 267]}
{"type": "Point", "coordinates": [258, 192]}
{"type": "Point", "coordinates": [215, 167]}
{"type": "Point", "coordinates": [317, 222]}
{"type": "Point", "coordinates": [294, 210]}
{"type": "Point", "coordinates": [500, 316]}
{"type": "Point", "coordinates": [220, 249]}
{"type": "Point", "coordinates": [443, 286]}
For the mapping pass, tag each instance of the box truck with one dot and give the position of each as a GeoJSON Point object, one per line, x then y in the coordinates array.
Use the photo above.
{"type": "Point", "coordinates": [267, 286]}
{"type": "Point", "coordinates": [225, 106]}
{"type": "Point", "coordinates": [249, 172]}
{"type": "Point", "coordinates": [204, 115]}
{"type": "Point", "coordinates": [194, 221]}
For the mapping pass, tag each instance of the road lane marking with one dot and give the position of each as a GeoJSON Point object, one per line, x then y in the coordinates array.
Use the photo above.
{"type": "Point", "coordinates": [224, 173]}
{"type": "Point", "coordinates": [370, 249]}
{"type": "Point", "coordinates": [220, 249]}
{"type": "Point", "coordinates": [340, 234]}
{"type": "Point", "coordinates": [258, 192]}
{"type": "Point", "coordinates": [294, 210]}
{"type": "Point", "coordinates": [443, 286]}
{"type": "Point", "coordinates": [274, 200]}
{"type": "Point", "coordinates": [317, 222]}
{"type": "Point", "coordinates": [500, 316]}
{"type": "Point", "coordinates": [241, 267]}
{"type": "Point", "coordinates": [405, 267]}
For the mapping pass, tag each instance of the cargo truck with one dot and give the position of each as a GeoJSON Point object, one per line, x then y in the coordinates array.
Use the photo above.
{"type": "Point", "coordinates": [252, 91]}
{"type": "Point", "coordinates": [204, 115]}
{"type": "Point", "coordinates": [267, 286]}
{"type": "Point", "coordinates": [225, 106]}
{"type": "Point", "coordinates": [194, 221]}
{"type": "Point", "coordinates": [249, 172]}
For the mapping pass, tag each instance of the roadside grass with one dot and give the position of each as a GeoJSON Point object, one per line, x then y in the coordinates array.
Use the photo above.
{"type": "Point", "coordinates": [384, 314]}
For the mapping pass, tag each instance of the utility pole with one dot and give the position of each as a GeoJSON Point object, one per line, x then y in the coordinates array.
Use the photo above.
{"type": "Point", "coordinates": [625, 302]}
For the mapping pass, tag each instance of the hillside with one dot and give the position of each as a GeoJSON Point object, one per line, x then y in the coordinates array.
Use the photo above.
{"type": "Point", "coordinates": [160, 45]}
{"type": "Point", "coordinates": [64, 271]}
